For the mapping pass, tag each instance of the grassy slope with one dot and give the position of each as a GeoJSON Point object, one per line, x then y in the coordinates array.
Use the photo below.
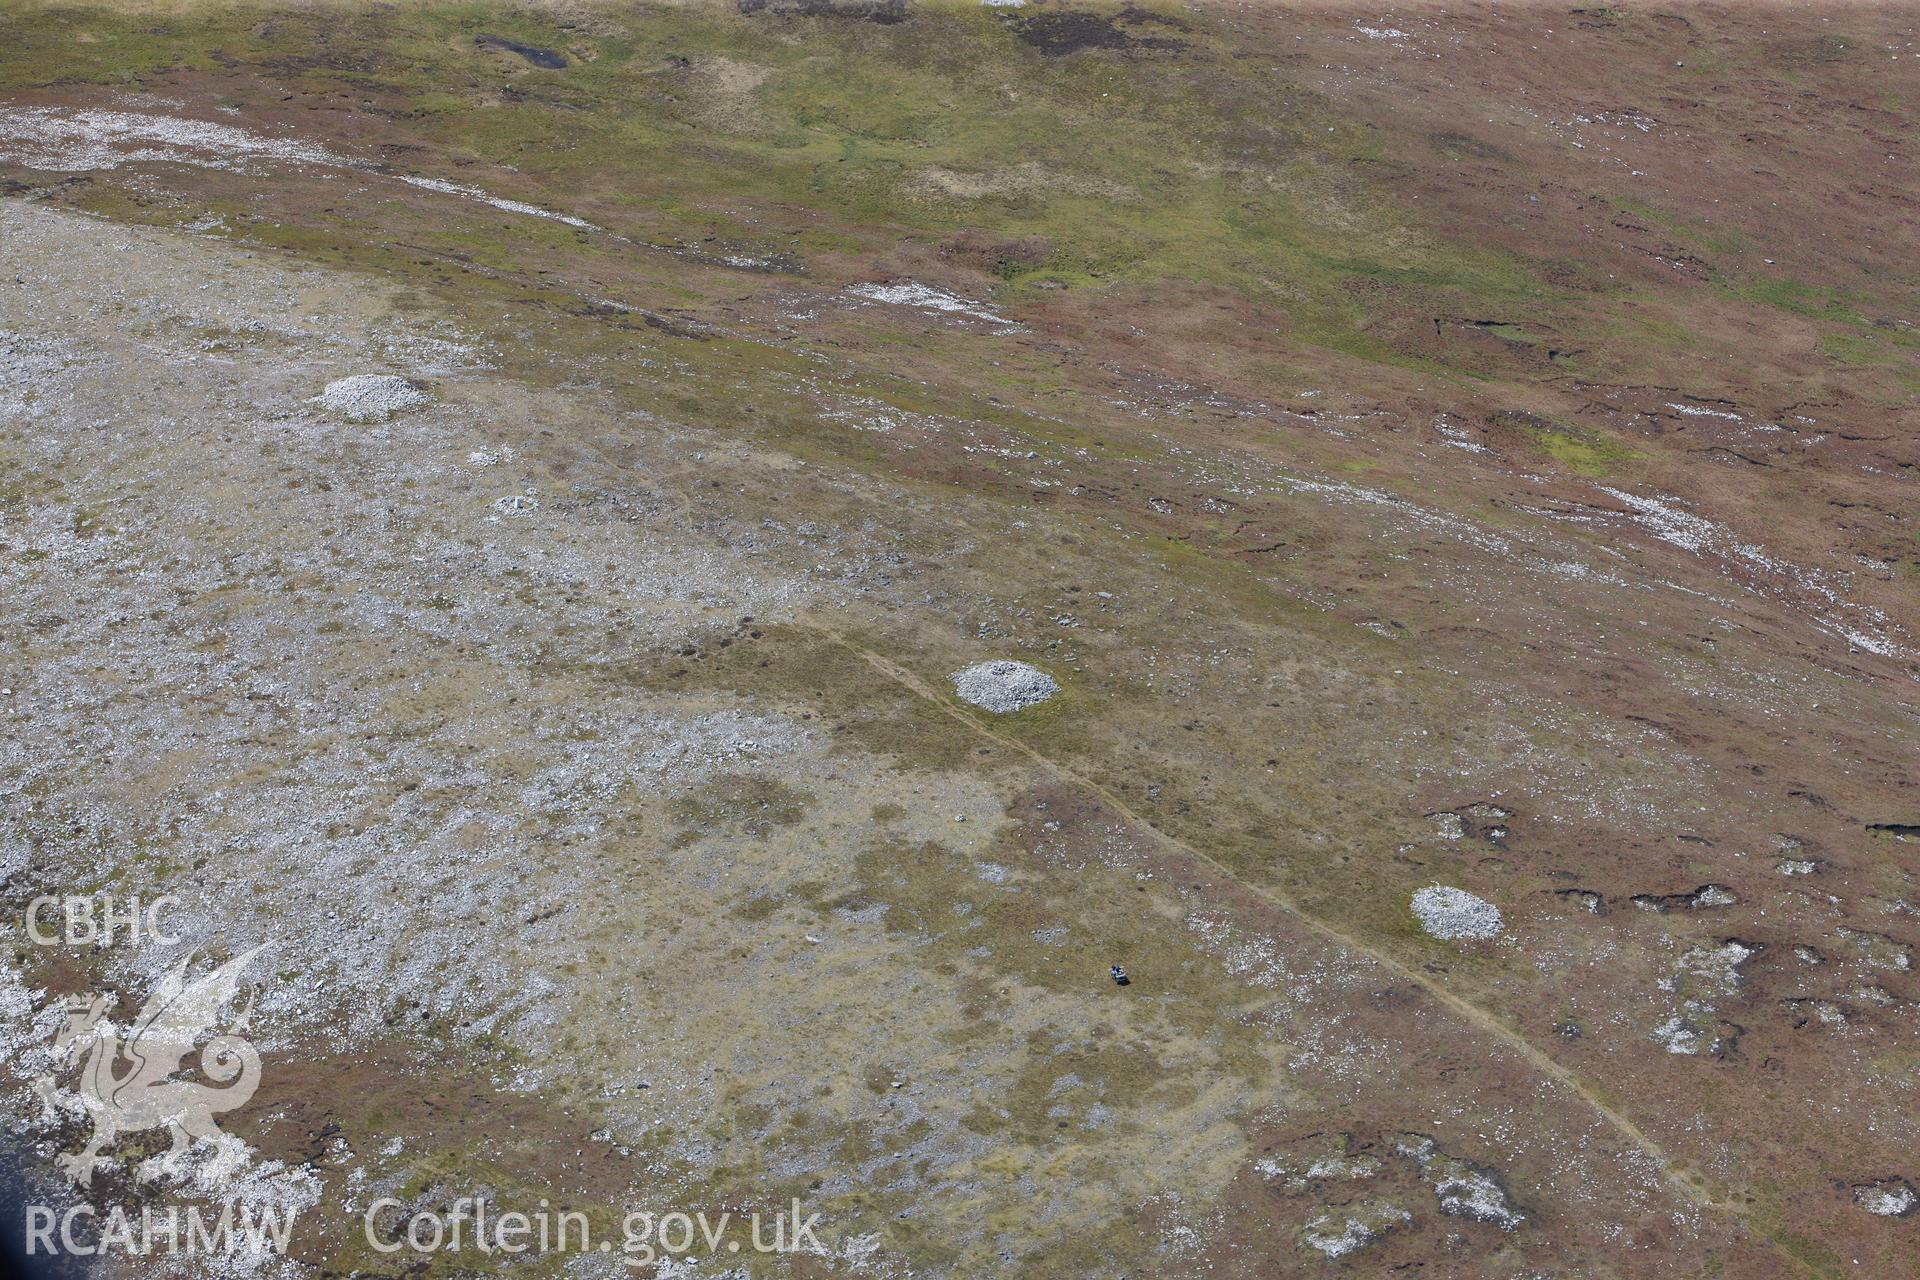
{"type": "Point", "coordinates": [1203, 169]}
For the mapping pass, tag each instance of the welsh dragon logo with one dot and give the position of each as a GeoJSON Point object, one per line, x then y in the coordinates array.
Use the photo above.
{"type": "Point", "coordinates": [124, 1084]}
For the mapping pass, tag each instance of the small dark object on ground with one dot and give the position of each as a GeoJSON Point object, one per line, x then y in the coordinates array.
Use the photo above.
{"type": "Point", "coordinates": [1120, 978]}
{"type": "Point", "coordinates": [1059, 34]}
{"type": "Point", "coordinates": [532, 53]}
{"type": "Point", "coordinates": [884, 12]}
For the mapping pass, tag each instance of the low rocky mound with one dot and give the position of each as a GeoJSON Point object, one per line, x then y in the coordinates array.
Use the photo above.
{"type": "Point", "coordinates": [1449, 913]}
{"type": "Point", "coordinates": [1003, 685]}
{"type": "Point", "coordinates": [370, 397]}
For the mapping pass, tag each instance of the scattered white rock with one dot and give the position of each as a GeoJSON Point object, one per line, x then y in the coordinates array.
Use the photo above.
{"type": "Point", "coordinates": [921, 297]}
{"type": "Point", "coordinates": [1676, 1035]}
{"type": "Point", "coordinates": [1343, 1167]}
{"type": "Point", "coordinates": [1889, 1198]}
{"type": "Point", "coordinates": [1466, 1192]}
{"type": "Point", "coordinates": [1827, 1013]}
{"type": "Point", "coordinates": [59, 140]}
{"type": "Point", "coordinates": [509, 206]}
{"type": "Point", "coordinates": [1863, 626]}
{"type": "Point", "coordinates": [1717, 968]}
{"type": "Point", "coordinates": [1464, 1189]}
{"type": "Point", "coordinates": [1332, 1167]}
{"type": "Point", "coordinates": [1340, 1232]}
{"type": "Point", "coordinates": [1700, 980]}
{"type": "Point", "coordinates": [370, 397]}
{"type": "Point", "coordinates": [1878, 950]}
{"type": "Point", "coordinates": [1448, 913]}
{"type": "Point", "coordinates": [1004, 685]}
{"type": "Point", "coordinates": [1797, 867]}
{"type": "Point", "coordinates": [1586, 900]}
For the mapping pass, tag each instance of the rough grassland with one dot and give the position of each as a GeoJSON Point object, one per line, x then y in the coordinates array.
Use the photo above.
{"type": "Point", "coordinates": [1425, 448]}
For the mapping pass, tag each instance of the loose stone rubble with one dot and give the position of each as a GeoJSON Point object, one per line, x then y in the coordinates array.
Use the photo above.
{"type": "Point", "coordinates": [1888, 1198]}
{"type": "Point", "coordinates": [1448, 913]}
{"type": "Point", "coordinates": [1004, 685]}
{"type": "Point", "coordinates": [370, 397]}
